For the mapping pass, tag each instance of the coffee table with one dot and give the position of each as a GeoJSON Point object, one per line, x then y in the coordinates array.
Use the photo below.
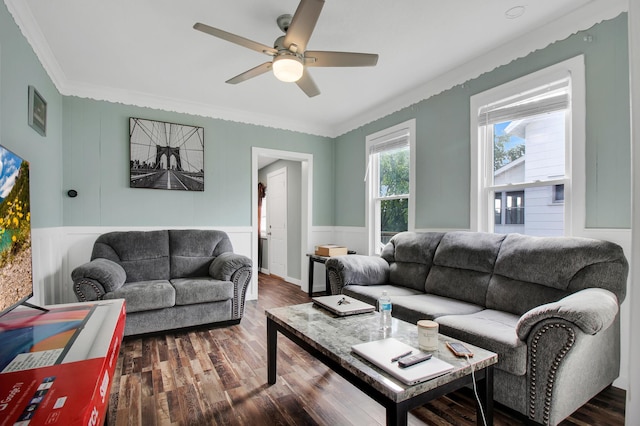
{"type": "Point", "coordinates": [329, 339]}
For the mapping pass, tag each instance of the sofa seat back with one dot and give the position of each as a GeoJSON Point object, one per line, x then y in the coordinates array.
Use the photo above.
{"type": "Point", "coordinates": [144, 255]}
{"type": "Point", "coordinates": [162, 255]}
{"type": "Point", "coordinates": [532, 271]}
{"type": "Point", "coordinates": [462, 266]}
{"type": "Point", "coordinates": [191, 251]}
{"type": "Point", "coordinates": [410, 258]}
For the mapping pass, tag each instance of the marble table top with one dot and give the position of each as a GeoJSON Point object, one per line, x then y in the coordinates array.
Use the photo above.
{"type": "Point", "coordinates": [333, 336]}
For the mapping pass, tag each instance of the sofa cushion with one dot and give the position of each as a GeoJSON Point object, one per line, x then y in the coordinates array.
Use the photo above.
{"type": "Point", "coordinates": [491, 330]}
{"type": "Point", "coordinates": [192, 250]}
{"type": "Point", "coordinates": [410, 256]}
{"type": "Point", "coordinates": [463, 264]}
{"type": "Point", "coordinates": [429, 306]}
{"type": "Point", "coordinates": [371, 293]}
{"type": "Point", "coordinates": [144, 255]}
{"type": "Point", "coordinates": [517, 297]}
{"type": "Point", "coordinates": [190, 291]}
{"type": "Point", "coordinates": [145, 295]}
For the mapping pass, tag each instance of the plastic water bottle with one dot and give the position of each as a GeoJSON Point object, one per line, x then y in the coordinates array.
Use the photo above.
{"type": "Point", "coordinates": [384, 306]}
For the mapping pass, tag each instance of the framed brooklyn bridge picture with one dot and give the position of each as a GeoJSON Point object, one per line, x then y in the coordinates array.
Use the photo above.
{"type": "Point", "coordinates": [166, 155]}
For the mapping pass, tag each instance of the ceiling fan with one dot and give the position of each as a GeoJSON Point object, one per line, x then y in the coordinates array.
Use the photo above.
{"type": "Point", "coordinates": [290, 57]}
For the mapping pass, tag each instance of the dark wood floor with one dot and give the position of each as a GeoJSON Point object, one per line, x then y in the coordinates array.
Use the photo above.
{"type": "Point", "coordinates": [218, 376]}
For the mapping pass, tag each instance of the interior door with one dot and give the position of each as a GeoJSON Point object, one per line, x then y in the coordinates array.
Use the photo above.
{"type": "Point", "coordinates": [277, 222]}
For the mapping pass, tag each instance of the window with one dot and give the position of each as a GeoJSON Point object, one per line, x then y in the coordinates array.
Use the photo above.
{"type": "Point", "coordinates": [525, 140]}
{"type": "Point", "coordinates": [558, 193]}
{"type": "Point", "coordinates": [513, 211]}
{"type": "Point", "coordinates": [389, 180]}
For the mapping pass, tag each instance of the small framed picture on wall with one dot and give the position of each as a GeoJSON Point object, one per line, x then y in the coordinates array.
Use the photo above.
{"type": "Point", "coordinates": [37, 111]}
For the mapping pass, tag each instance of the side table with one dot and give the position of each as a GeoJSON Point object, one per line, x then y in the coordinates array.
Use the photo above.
{"type": "Point", "coordinates": [316, 258]}
{"type": "Point", "coordinates": [313, 258]}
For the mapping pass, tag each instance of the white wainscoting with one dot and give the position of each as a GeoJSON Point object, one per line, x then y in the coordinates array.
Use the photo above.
{"type": "Point", "coordinates": [47, 251]}
{"type": "Point", "coordinates": [57, 251]}
{"type": "Point", "coordinates": [623, 238]}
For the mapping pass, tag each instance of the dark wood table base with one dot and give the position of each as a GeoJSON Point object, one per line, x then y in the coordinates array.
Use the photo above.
{"type": "Point", "coordinates": [397, 413]}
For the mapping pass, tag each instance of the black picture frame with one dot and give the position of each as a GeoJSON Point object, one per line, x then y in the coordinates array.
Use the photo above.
{"type": "Point", "coordinates": [37, 112]}
{"type": "Point", "coordinates": [166, 155]}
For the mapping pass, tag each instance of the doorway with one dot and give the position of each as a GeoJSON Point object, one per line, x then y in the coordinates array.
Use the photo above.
{"type": "Point", "coordinates": [297, 254]}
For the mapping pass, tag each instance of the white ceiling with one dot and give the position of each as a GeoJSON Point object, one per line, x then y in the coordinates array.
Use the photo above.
{"type": "Point", "coordinates": [146, 53]}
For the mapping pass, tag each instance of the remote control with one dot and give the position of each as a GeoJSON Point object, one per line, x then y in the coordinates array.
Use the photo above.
{"type": "Point", "coordinates": [413, 359]}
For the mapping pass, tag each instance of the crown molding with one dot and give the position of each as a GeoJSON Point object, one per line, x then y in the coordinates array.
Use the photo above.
{"type": "Point", "coordinates": [27, 24]}
{"type": "Point", "coordinates": [181, 106]}
{"type": "Point", "coordinates": [31, 31]}
{"type": "Point", "coordinates": [563, 27]}
{"type": "Point", "coordinates": [579, 20]}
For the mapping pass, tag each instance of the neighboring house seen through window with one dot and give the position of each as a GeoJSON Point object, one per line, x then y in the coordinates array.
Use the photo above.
{"type": "Point", "coordinates": [523, 152]}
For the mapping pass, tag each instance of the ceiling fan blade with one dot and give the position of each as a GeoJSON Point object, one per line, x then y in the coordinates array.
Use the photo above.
{"type": "Point", "coordinates": [253, 72]}
{"type": "Point", "coordinates": [339, 59]}
{"type": "Point", "coordinates": [302, 24]}
{"type": "Point", "coordinates": [244, 42]}
{"type": "Point", "coordinates": [307, 85]}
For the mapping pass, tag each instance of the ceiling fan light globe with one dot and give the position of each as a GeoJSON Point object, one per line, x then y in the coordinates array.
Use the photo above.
{"type": "Point", "coordinates": [288, 68]}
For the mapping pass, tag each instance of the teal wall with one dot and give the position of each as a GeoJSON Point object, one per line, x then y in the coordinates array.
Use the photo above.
{"type": "Point", "coordinates": [96, 164]}
{"type": "Point", "coordinates": [19, 68]}
{"type": "Point", "coordinates": [294, 213]}
{"type": "Point", "coordinates": [87, 148]}
{"type": "Point", "coordinates": [442, 144]}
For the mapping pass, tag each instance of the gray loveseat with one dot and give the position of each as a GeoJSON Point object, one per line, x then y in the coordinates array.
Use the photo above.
{"type": "Point", "coordinates": [169, 279]}
{"type": "Point", "coordinates": [548, 306]}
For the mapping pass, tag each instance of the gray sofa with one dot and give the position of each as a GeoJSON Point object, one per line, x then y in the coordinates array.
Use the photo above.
{"type": "Point", "coordinates": [169, 279]}
{"type": "Point", "coordinates": [548, 306]}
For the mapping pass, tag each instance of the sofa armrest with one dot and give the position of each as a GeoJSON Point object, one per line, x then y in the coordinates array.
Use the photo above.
{"type": "Point", "coordinates": [356, 269]}
{"type": "Point", "coordinates": [573, 352]}
{"type": "Point", "coordinates": [237, 269]}
{"type": "Point", "coordinates": [93, 279]}
{"type": "Point", "coordinates": [591, 310]}
{"type": "Point", "coordinates": [225, 265]}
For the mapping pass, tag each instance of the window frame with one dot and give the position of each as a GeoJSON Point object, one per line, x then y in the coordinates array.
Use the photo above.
{"type": "Point", "coordinates": [481, 211]}
{"type": "Point", "coordinates": [372, 204]}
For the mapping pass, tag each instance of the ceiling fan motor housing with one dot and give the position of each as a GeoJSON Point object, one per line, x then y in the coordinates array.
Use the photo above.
{"type": "Point", "coordinates": [284, 21]}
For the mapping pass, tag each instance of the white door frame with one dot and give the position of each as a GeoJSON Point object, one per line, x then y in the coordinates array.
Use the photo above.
{"type": "Point", "coordinates": [306, 208]}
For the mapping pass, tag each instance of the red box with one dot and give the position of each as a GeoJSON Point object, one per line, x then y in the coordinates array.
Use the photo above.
{"type": "Point", "coordinates": [73, 389]}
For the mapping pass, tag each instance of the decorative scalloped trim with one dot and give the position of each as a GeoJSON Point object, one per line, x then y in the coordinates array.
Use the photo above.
{"type": "Point", "coordinates": [593, 13]}
{"type": "Point", "coordinates": [551, 376]}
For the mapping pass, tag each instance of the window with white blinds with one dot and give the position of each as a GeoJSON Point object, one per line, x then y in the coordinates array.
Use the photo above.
{"type": "Point", "coordinates": [541, 100]}
{"type": "Point", "coordinates": [389, 182]}
{"type": "Point", "coordinates": [523, 151]}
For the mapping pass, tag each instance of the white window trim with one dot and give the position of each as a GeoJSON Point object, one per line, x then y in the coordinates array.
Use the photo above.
{"type": "Point", "coordinates": [480, 207]}
{"type": "Point", "coordinates": [373, 139]}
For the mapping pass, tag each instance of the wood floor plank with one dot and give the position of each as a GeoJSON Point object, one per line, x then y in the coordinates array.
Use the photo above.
{"type": "Point", "coordinates": [217, 376]}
